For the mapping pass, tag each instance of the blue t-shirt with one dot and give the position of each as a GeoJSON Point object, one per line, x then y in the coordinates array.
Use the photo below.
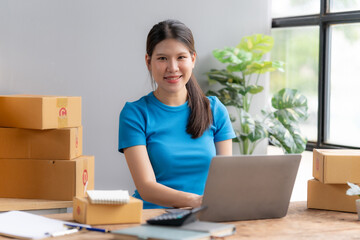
{"type": "Point", "coordinates": [179, 161]}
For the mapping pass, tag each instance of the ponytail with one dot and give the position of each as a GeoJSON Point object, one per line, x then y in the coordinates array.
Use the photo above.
{"type": "Point", "coordinates": [200, 112]}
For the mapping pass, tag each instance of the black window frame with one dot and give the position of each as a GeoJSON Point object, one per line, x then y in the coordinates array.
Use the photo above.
{"type": "Point", "coordinates": [324, 19]}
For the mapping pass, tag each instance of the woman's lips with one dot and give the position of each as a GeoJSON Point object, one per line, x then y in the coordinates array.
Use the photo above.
{"type": "Point", "coordinates": [173, 79]}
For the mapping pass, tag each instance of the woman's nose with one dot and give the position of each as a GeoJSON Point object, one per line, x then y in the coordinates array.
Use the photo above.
{"type": "Point", "coordinates": [173, 66]}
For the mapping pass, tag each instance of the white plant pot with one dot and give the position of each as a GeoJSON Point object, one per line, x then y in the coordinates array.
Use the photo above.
{"type": "Point", "coordinates": [358, 207]}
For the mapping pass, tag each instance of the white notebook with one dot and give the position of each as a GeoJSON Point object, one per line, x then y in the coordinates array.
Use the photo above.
{"type": "Point", "coordinates": [108, 196]}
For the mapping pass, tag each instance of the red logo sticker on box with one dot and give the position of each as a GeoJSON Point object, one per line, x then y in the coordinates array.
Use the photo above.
{"type": "Point", "coordinates": [85, 177]}
{"type": "Point", "coordinates": [62, 112]}
{"type": "Point", "coordinates": [78, 210]}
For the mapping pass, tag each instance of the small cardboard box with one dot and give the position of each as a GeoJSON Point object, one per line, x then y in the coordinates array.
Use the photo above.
{"type": "Point", "coordinates": [46, 179]}
{"type": "Point", "coordinates": [336, 166]}
{"type": "Point", "coordinates": [64, 143]}
{"type": "Point", "coordinates": [40, 112]}
{"type": "Point", "coordinates": [330, 197]}
{"type": "Point", "coordinates": [87, 213]}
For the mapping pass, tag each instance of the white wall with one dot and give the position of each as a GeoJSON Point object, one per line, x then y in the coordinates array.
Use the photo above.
{"type": "Point", "coordinates": [95, 49]}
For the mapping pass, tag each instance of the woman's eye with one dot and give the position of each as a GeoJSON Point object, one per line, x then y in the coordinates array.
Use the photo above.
{"type": "Point", "coordinates": [182, 57]}
{"type": "Point", "coordinates": [162, 58]}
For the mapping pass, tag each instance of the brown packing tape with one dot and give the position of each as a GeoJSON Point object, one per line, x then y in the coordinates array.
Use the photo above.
{"type": "Point", "coordinates": [61, 104]}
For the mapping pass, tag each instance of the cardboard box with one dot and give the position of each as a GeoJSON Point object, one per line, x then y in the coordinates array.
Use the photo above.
{"type": "Point", "coordinates": [335, 166]}
{"type": "Point", "coordinates": [40, 112]}
{"type": "Point", "coordinates": [87, 213]}
{"type": "Point", "coordinates": [46, 179]}
{"type": "Point", "coordinates": [64, 143]}
{"type": "Point", "coordinates": [330, 197]}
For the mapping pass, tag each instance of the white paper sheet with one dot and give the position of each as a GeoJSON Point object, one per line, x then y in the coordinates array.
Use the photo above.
{"type": "Point", "coordinates": [29, 226]}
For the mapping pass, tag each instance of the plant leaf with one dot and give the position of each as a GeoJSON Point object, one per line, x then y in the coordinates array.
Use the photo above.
{"type": "Point", "coordinates": [279, 65]}
{"type": "Point", "coordinates": [261, 67]}
{"type": "Point", "coordinates": [251, 129]}
{"type": "Point", "coordinates": [257, 44]}
{"type": "Point", "coordinates": [227, 55]}
{"type": "Point", "coordinates": [237, 67]}
{"type": "Point", "coordinates": [227, 97]}
{"type": "Point", "coordinates": [291, 106]}
{"type": "Point", "coordinates": [259, 132]}
{"type": "Point", "coordinates": [288, 137]}
{"type": "Point", "coordinates": [224, 77]}
{"type": "Point", "coordinates": [254, 89]}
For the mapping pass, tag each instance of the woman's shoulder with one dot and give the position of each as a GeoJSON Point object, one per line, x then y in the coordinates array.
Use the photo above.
{"type": "Point", "coordinates": [137, 105]}
{"type": "Point", "coordinates": [214, 101]}
{"type": "Point", "coordinates": [217, 107]}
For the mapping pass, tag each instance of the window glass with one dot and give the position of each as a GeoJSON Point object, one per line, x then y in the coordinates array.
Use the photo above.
{"type": "Point", "coordinates": [344, 97]}
{"type": "Point", "coordinates": [344, 5]}
{"type": "Point", "coordinates": [289, 8]}
{"type": "Point", "coordinates": [298, 48]}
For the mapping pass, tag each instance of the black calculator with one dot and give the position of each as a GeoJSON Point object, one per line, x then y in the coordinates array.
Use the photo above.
{"type": "Point", "coordinates": [176, 218]}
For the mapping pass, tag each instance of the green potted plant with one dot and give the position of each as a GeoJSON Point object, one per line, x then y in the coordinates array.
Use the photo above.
{"type": "Point", "coordinates": [239, 82]}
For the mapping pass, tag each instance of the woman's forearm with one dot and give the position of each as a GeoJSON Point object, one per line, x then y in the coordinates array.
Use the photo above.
{"type": "Point", "coordinates": [165, 196]}
{"type": "Point", "coordinates": [151, 191]}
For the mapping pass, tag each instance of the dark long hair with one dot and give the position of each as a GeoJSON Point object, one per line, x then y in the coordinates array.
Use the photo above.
{"type": "Point", "coordinates": [200, 111]}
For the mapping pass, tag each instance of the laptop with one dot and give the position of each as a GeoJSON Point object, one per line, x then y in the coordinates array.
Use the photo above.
{"type": "Point", "coordinates": [249, 187]}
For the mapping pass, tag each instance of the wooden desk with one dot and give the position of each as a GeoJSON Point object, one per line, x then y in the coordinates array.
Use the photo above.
{"type": "Point", "coordinates": [300, 223]}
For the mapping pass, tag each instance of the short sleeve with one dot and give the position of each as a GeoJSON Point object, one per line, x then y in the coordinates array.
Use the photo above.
{"type": "Point", "coordinates": [221, 121]}
{"type": "Point", "coordinates": [131, 127]}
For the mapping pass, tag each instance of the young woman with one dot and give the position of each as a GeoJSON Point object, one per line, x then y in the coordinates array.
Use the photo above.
{"type": "Point", "coordinates": [170, 136]}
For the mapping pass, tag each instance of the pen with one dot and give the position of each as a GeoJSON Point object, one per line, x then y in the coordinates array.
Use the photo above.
{"type": "Point", "coordinates": [86, 228]}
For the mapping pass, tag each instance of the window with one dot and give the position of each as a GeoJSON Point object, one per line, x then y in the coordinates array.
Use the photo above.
{"type": "Point", "coordinates": [298, 47]}
{"type": "Point", "coordinates": [344, 115]}
{"type": "Point", "coordinates": [290, 8]}
{"type": "Point", "coordinates": [319, 41]}
{"type": "Point", "coordinates": [344, 5]}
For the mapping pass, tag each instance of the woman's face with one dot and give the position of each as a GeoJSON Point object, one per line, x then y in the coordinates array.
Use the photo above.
{"type": "Point", "coordinates": [171, 65]}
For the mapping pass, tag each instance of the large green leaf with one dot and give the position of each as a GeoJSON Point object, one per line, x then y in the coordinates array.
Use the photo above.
{"type": "Point", "coordinates": [291, 106]}
{"type": "Point", "coordinates": [238, 67]}
{"type": "Point", "coordinates": [247, 124]}
{"type": "Point", "coordinates": [227, 55]}
{"type": "Point", "coordinates": [227, 97]}
{"type": "Point", "coordinates": [261, 67]}
{"type": "Point", "coordinates": [279, 65]}
{"type": "Point", "coordinates": [257, 44]}
{"type": "Point", "coordinates": [232, 55]}
{"type": "Point", "coordinates": [224, 77]}
{"type": "Point", "coordinates": [288, 137]}
{"type": "Point", "coordinates": [236, 59]}
{"type": "Point", "coordinates": [259, 132]}
{"type": "Point", "coordinates": [251, 129]}
{"type": "Point", "coordinates": [253, 89]}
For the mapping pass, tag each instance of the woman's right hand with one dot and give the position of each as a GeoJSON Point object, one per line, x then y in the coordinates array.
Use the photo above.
{"type": "Point", "coordinates": [194, 200]}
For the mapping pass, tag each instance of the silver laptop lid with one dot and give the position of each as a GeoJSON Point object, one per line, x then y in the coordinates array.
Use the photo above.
{"type": "Point", "coordinates": [249, 187]}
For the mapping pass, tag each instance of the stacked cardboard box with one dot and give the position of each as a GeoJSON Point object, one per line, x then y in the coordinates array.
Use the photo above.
{"type": "Point", "coordinates": [41, 148]}
{"type": "Point", "coordinates": [88, 213]}
{"type": "Point", "coordinates": [332, 169]}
